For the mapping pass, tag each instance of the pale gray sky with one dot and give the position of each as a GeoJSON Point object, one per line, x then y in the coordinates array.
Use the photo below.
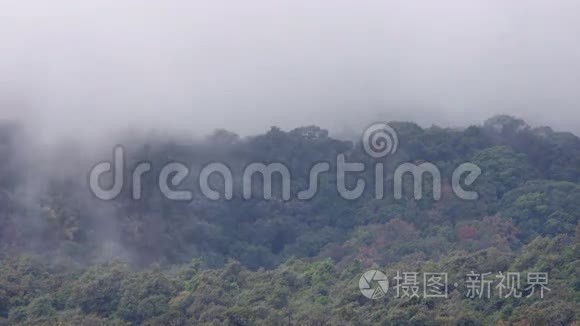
{"type": "Point", "coordinates": [69, 65]}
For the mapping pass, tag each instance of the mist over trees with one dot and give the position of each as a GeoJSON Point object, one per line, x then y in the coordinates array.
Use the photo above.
{"type": "Point", "coordinates": [107, 94]}
{"type": "Point", "coordinates": [68, 258]}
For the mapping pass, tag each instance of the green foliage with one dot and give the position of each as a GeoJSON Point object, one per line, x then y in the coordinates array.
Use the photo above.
{"type": "Point", "coordinates": [544, 207]}
{"type": "Point", "coordinates": [255, 262]}
{"type": "Point", "coordinates": [104, 285]}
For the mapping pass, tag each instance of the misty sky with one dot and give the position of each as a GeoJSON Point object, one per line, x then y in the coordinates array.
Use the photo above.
{"type": "Point", "coordinates": [69, 65]}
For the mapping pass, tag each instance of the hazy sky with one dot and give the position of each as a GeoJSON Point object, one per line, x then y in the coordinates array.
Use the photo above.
{"type": "Point", "coordinates": [70, 65]}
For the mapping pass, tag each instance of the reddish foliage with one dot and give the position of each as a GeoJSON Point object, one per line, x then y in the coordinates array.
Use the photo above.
{"type": "Point", "coordinates": [466, 232]}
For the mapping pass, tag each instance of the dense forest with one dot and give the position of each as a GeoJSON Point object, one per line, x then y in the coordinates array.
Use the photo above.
{"type": "Point", "coordinates": [68, 258]}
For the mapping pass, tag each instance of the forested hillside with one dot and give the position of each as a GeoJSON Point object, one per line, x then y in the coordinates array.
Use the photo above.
{"type": "Point", "coordinates": [68, 258]}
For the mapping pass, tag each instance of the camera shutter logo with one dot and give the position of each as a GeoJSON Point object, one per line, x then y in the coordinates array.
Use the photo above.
{"type": "Point", "coordinates": [373, 284]}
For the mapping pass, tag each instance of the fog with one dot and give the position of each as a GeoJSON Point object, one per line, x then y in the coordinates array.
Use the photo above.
{"type": "Point", "coordinates": [86, 68]}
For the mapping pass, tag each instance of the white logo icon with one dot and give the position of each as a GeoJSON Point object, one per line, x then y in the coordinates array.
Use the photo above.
{"type": "Point", "coordinates": [380, 140]}
{"type": "Point", "coordinates": [373, 284]}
